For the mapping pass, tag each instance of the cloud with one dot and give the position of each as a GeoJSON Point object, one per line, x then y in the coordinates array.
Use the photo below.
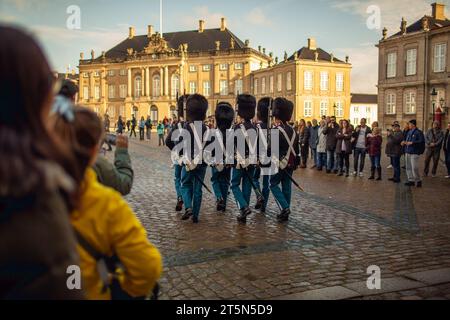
{"type": "Point", "coordinates": [257, 17]}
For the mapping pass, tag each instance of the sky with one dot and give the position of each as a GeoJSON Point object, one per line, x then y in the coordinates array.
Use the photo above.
{"type": "Point", "coordinates": [345, 27]}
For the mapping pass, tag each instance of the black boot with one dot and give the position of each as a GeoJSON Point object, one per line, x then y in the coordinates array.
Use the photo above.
{"type": "Point", "coordinates": [372, 173]}
{"type": "Point", "coordinates": [244, 213]}
{"type": "Point", "coordinates": [179, 206]}
{"type": "Point", "coordinates": [220, 205]}
{"type": "Point", "coordinates": [347, 173]}
{"type": "Point", "coordinates": [259, 202]}
{"type": "Point", "coordinates": [284, 215]}
{"type": "Point", "coordinates": [341, 173]}
{"type": "Point", "coordinates": [379, 174]}
{"type": "Point", "coordinates": [187, 214]}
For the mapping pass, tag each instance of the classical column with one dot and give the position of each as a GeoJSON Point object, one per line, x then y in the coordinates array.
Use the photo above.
{"type": "Point", "coordinates": [161, 81]}
{"type": "Point", "coordinates": [166, 81]}
{"type": "Point", "coordinates": [91, 86]}
{"type": "Point", "coordinates": [181, 79]}
{"type": "Point", "coordinates": [129, 83]}
{"type": "Point", "coordinates": [216, 80]}
{"type": "Point", "coordinates": [147, 81]}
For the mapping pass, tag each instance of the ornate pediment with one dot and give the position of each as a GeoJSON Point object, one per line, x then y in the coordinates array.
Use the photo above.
{"type": "Point", "coordinates": [157, 44]}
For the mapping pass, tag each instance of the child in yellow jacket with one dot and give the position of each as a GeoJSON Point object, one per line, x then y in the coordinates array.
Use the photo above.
{"type": "Point", "coordinates": [102, 217]}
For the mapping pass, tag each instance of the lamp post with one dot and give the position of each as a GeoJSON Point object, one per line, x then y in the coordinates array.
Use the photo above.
{"type": "Point", "coordinates": [334, 107]}
{"type": "Point", "coordinates": [434, 95]}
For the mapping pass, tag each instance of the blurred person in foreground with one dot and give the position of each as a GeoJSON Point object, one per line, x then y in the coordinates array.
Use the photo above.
{"type": "Point", "coordinates": [103, 221]}
{"type": "Point", "coordinates": [37, 243]}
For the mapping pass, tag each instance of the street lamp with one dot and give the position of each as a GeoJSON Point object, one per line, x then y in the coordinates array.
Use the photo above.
{"type": "Point", "coordinates": [434, 95]}
{"type": "Point", "coordinates": [334, 107]}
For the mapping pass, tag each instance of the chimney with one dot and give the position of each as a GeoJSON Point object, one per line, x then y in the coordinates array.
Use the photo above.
{"type": "Point", "coordinates": [438, 11]}
{"type": "Point", "coordinates": [92, 54]}
{"type": "Point", "coordinates": [150, 31]}
{"type": "Point", "coordinates": [81, 55]}
{"type": "Point", "coordinates": [132, 33]}
{"type": "Point", "coordinates": [201, 26]}
{"type": "Point", "coordinates": [223, 24]}
{"type": "Point", "coordinates": [312, 44]}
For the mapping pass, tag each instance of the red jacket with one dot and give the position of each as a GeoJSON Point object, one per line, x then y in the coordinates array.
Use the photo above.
{"type": "Point", "coordinates": [373, 145]}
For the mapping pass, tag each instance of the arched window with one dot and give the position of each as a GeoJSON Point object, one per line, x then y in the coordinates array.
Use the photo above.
{"type": "Point", "coordinates": [137, 87]}
{"type": "Point", "coordinates": [135, 111]}
{"type": "Point", "coordinates": [175, 85]}
{"type": "Point", "coordinates": [154, 114]}
{"type": "Point", "coordinates": [156, 85]}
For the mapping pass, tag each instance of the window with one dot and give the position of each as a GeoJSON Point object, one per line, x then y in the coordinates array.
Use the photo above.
{"type": "Point", "coordinates": [175, 87]}
{"type": "Point", "coordinates": [154, 114]}
{"type": "Point", "coordinates": [223, 66]}
{"type": "Point", "coordinates": [390, 103]}
{"type": "Point", "coordinates": [192, 68]}
{"type": "Point", "coordinates": [111, 73]}
{"type": "Point", "coordinates": [368, 110]}
{"type": "Point", "coordinates": [206, 67]}
{"type": "Point", "coordinates": [289, 81]}
{"type": "Point", "coordinates": [238, 86]}
{"type": "Point", "coordinates": [339, 82]}
{"type": "Point", "coordinates": [440, 51]}
{"type": "Point", "coordinates": [255, 87]}
{"type": "Point", "coordinates": [323, 108]}
{"type": "Point", "coordinates": [356, 109]}
{"type": "Point", "coordinates": [308, 76]}
{"type": "Point", "coordinates": [137, 87]}
{"type": "Point", "coordinates": [206, 88]}
{"type": "Point", "coordinates": [339, 109]}
{"type": "Point", "coordinates": [238, 66]}
{"type": "Point", "coordinates": [324, 81]}
{"type": "Point", "coordinates": [391, 65]}
{"type": "Point", "coordinates": [356, 121]}
{"type": "Point", "coordinates": [307, 109]}
{"type": "Point", "coordinates": [97, 92]}
{"type": "Point", "coordinates": [111, 91]}
{"type": "Point", "coordinates": [271, 84]}
{"type": "Point", "coordinates": [156, 86]}
{"type": "Point", "coordinates": [411, 62]}
{"type": "Point", "coordinates": [86, 92]}
{"type": "Point", "coordinates": [123, 72]}
{"type": "Point", "coordinates": [111, 111]}
{"type": "Point", "coordinates": [263, 85]}
{"type": "Point", "coordinates": [123, 91]}
{"type": "Point", "coordinates": [410, 102]}
{"type": "Point", "coordinates": [122, 111]}
{"type": "Point", "coordinates": [85, 75]}
{"type": "Point", "coordinates": [223, 87]}
{"type": "Point", "coordinates": [192, 87]}
{"type": "Point", "coordinates": [279, 82]}
{"type": "Point", "coordinates": [96, 74]}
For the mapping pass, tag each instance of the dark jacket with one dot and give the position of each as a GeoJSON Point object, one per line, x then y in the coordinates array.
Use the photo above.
{"type": "Point", "coordinates": [374, 145]}
{"type": "Point", "coordinates": [342, 138]}
{"type": "Point", "coordinates": [118, 176]}
{"type": "Point", "coordinates": [284, 145]}
{"type": "Point", "coordinates": [303, 137]}
{"type": "Point", "coordinates": [416, 137]}
{"type": "Point", "coordinates": [356, 135]}
{"type": "Point", "coordinates": [436, 137]}
{"type": "Point", "coordinates": [37, 243]}
{"type": "Point", "coordinates": [248, 126]}
{"type": "Point", "coordinates": [331, 132]}
{"type": "Point", "coordinates": [446, 142]}
{"type": "Point", "coordinates": [393, 145]}
{"type": "Point", "coordinates": [313, 136]}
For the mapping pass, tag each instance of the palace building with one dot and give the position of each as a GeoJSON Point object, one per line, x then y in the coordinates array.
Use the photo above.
{"type": "Point", "coordinates": [143, 74]}
{"type": "Point", "coordinates": [316, 81]}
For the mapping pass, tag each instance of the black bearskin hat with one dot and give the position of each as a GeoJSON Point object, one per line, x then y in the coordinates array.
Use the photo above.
{"type": "Point", "coordinates": [196, 108]}
{"type": "Point", "coordinates": [224, 115]}
{"type": "Point", "coordinates": [263, 109]}
{"type": "Point", "coordinates": [180, 105]}
{"type": "Point", "coordinates": [283, 109]}
{"type": "Point", "coordinates": [246, 106]}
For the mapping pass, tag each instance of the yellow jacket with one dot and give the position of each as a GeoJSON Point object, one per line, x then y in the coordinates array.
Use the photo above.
{"type": "Point", "coordinates": [106, 221]}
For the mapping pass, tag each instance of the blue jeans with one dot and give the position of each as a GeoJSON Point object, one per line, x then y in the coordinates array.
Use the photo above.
{"type": "Point", "coordinates": [177, 178]}
{"type": "Point", "coordinates": [314, 155]}
{"type": "Point", "coordinates": [331, 160]}
{"type": "Point", "coordinates": [221, 183]}
{"type": "Point", "coordinates": [375, 161]}
{"type": "Point", "coordinates": [242, 196]}
{"type": "Point", "coordinates": [265, 186]}
{"type": "Point", "coordinates": [356, 156]}
{"type": "Point", "coordinates": [192, 189]}
{"type": "Point", "coordinates": [321, 160]}
{"type": "Point", "coordinates": [395, 162]}
{"type": "Point", "coordinates": [282, 195]}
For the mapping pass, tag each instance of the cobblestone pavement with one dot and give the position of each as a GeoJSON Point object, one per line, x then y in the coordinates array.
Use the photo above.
{"type": "Point", "coordinates": [338, 228]}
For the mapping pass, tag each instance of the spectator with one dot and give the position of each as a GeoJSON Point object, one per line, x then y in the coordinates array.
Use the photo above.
{"type": "Point", "coordinates": [394, 150]}
{"type": "Point", "coordinates": [303, 133]}
{"type": "Point", "coordinates": [360, 140]}
{"type": "Point", "coordinates": [103, 220]}
{"type": "Point", "coordinates": [374, 142]}
{"type": "Point", "coordinates": [344, 147]}
{"type": "Point", "coordinates": [447, 150]}
{"type": "Point", "coordinates": [414, 146]}
{"type": "Point", "coordinates": [322, 147]}
{"type": "Point", "coordinates": [36, 240]}
{"type": "Point", "coordinates": [405, 133]}
{"type": "Point", "coordinates": [141, 129]}
{"type": "Point", "coordinates": [433, 144]}
{"type": "Point", "coordinates": [106, 123]}
{"type": "Point", "coordinates": [133, 126]}
{"type": "Point", "coordinates": [160, 130]}
{"type": "Point", "coordinates": [148, 128]}
{"type": "Point", "coordinates": [314, 140]}
{"type": "Point", "coordinates": [330, 131]}
{"type": "Point", "coordinates": [128, 125]}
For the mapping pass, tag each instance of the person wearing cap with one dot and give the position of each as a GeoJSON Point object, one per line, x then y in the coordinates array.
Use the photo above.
{"type": "Point", "coordinates": [414, 147]}
{"type": "Point", "coordinates": [446, 145]}
{"type": "Point", "coordinates": [394, 149]}
{"type": "Point", "coordinates": [433, 143]}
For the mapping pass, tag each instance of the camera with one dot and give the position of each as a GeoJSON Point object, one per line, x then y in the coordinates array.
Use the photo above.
{"type": "Point", "coordinates": [110, 139]}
